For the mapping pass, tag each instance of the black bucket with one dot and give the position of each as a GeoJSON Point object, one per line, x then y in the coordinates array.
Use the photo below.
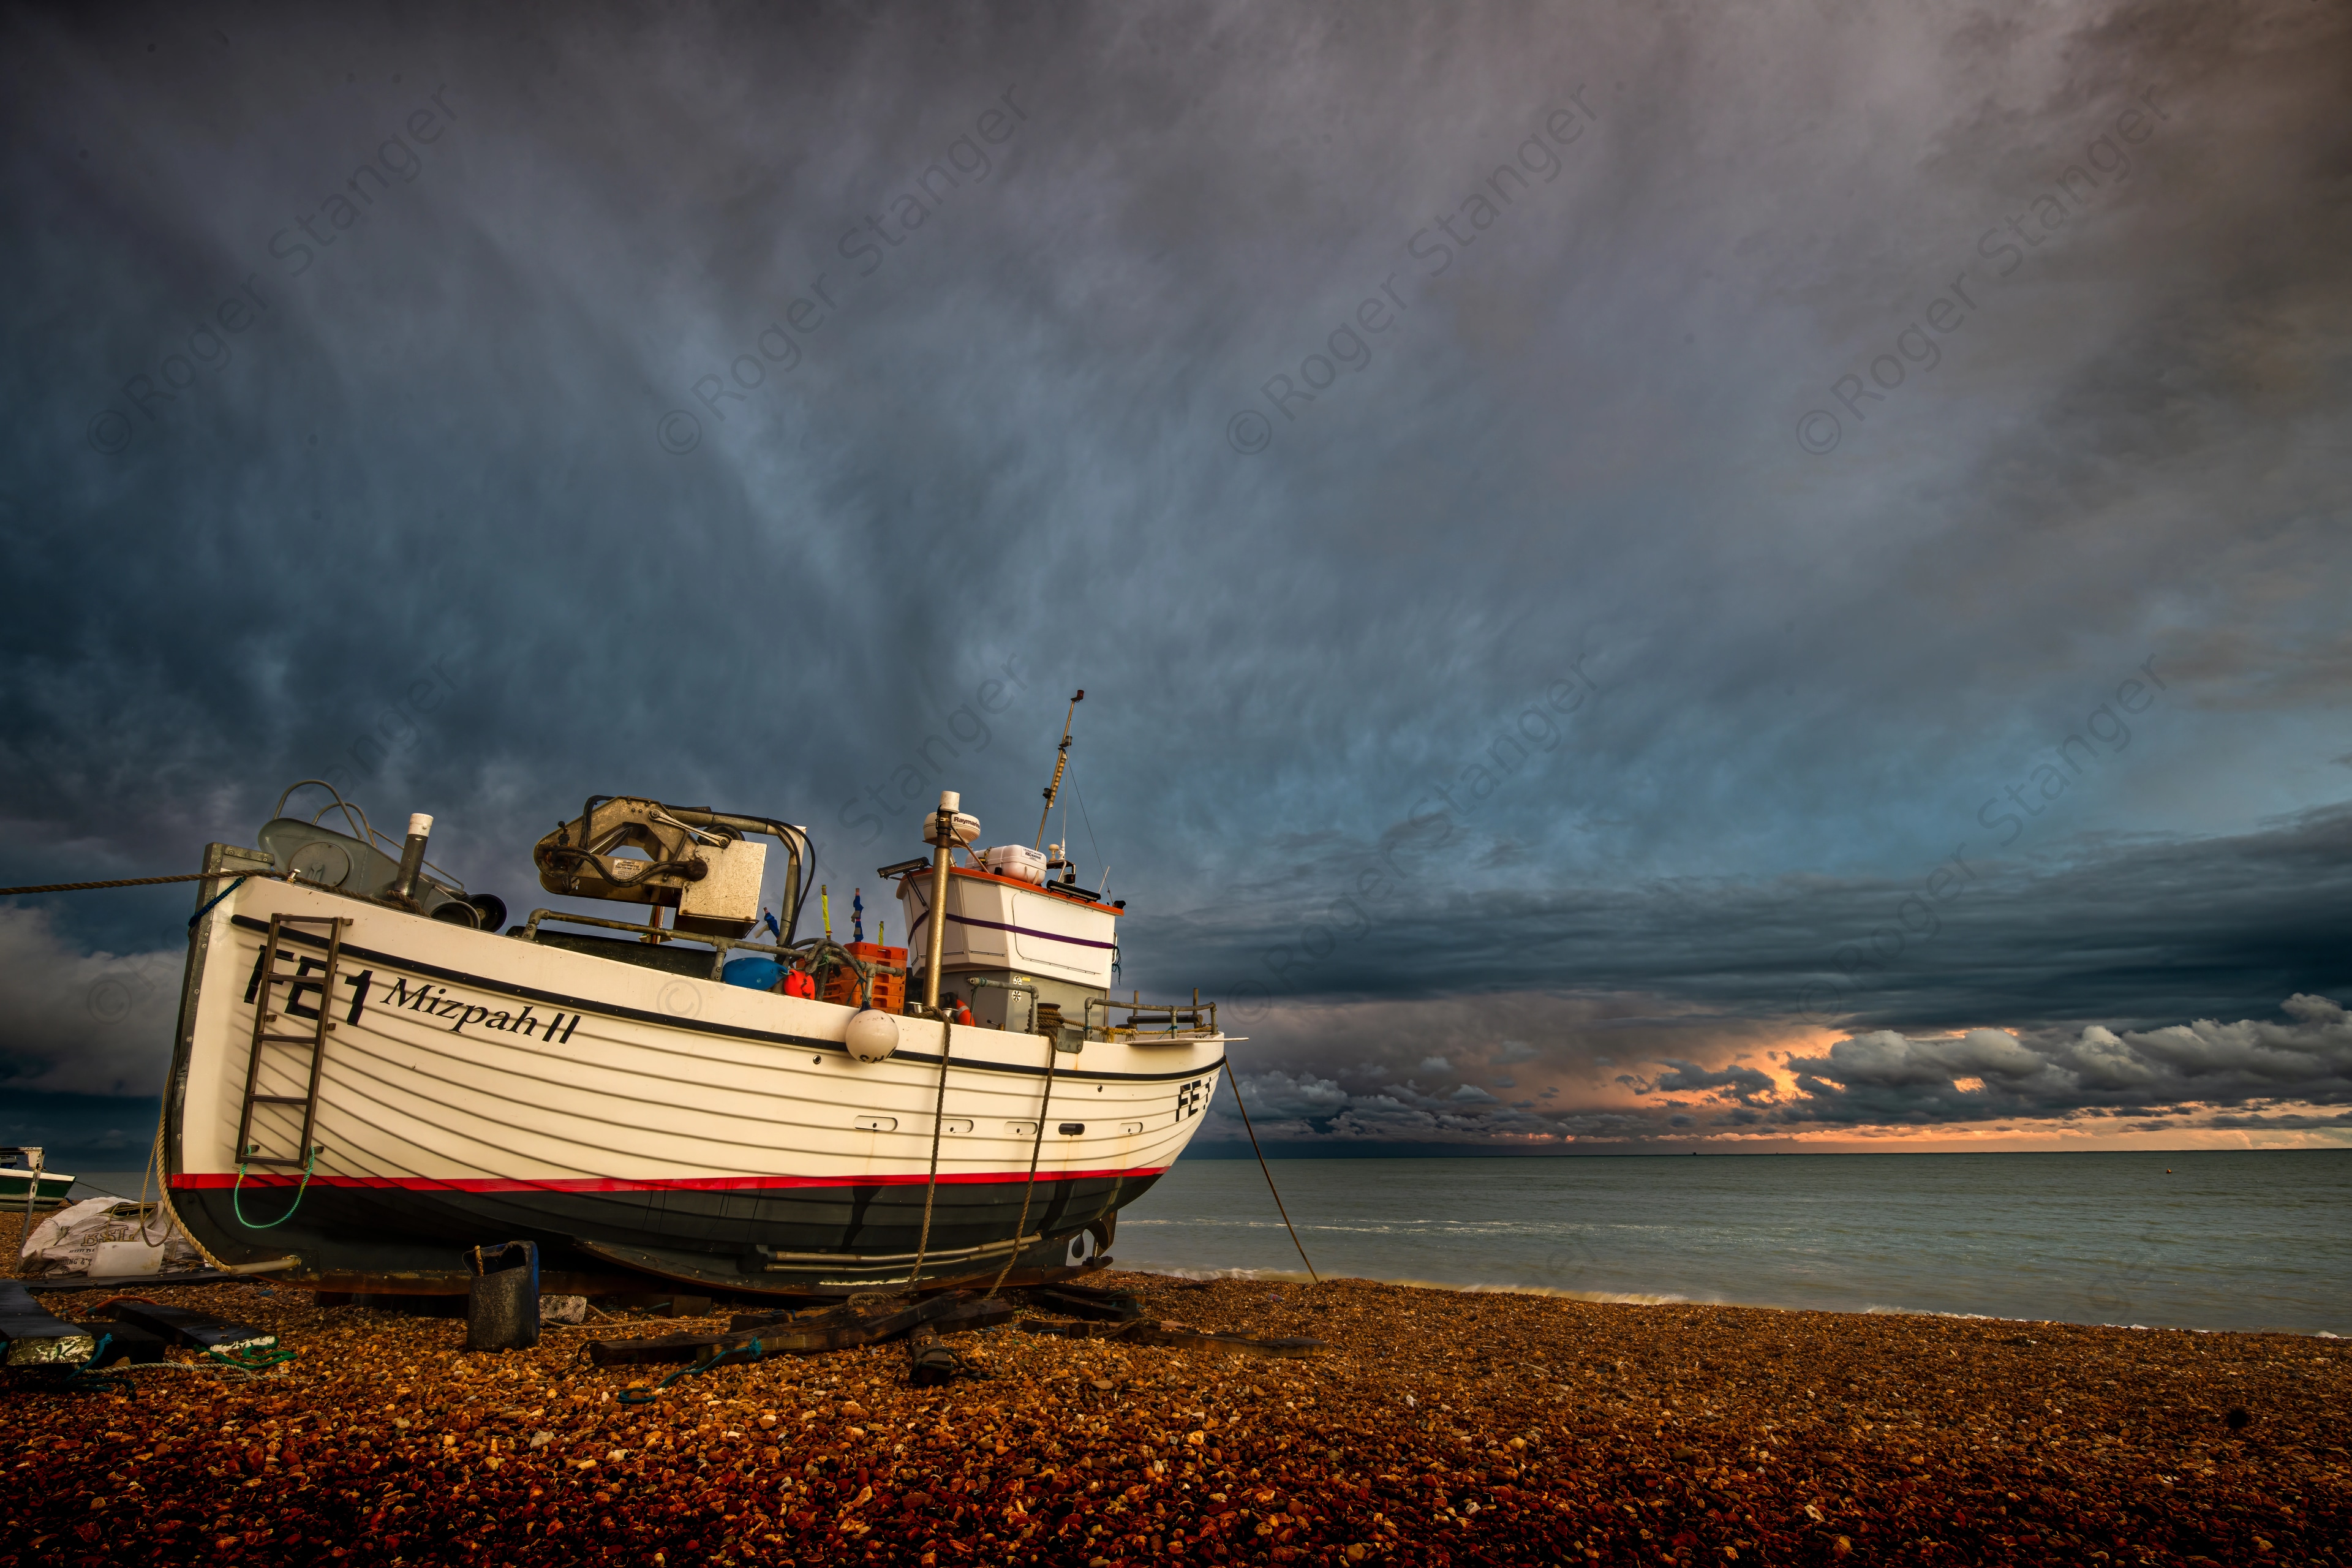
{"type": "Point", "coordinates": [502, 1302]}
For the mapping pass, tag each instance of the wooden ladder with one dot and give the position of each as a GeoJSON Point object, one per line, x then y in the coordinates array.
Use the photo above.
{"type": "Point", "coordinates": [263, 1000]}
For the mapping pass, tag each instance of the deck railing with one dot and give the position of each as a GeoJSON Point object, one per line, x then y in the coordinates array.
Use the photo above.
{"type": "Point", "coordinates": [726, 946]}
{"type": "Point", "coordinates": [1146, 1020]}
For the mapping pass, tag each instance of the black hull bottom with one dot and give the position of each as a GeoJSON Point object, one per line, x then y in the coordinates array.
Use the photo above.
{"type": "Point", "coordinates": [794, 1241]}
{"type": "Point", "coordinates": [1042, 1263]}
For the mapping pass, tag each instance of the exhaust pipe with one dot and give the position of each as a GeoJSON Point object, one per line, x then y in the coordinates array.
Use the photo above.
{"type": "Point", "coordinates": [412, 858]}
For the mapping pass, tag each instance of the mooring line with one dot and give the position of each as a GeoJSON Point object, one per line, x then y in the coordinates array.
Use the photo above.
{"type": "Point", "coordinates": [1036, 1143]}
{"type": "Point", "coordinates": [1235, 1079]}
{"type": "Point", "coordinates": [119, 882]}
{"type": "Point", "coordinates": [931, 1188]}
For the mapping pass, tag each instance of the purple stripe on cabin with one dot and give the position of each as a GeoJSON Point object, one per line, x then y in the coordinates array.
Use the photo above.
{"type": "Point", "coordinates": [1024, 931]}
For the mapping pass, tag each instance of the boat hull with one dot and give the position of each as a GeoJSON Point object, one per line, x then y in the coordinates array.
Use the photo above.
{"type": "Point", "coordinates": [477, 1088]}
{"type": "Point", "coordinates": [51, 1194]}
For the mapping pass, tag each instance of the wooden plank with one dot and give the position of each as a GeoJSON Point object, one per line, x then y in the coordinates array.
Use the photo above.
{"type": "Point", "coordinates": [112, 1283]}
{"type": "Point", "coordinates": [1091, 1301]}
{"type": "Point", "coordinates": [656, 1349]}
{"type": "Point", "coordinates": [967, 1316]}
{"type": "Point", "coordinates": [839, 1328]}
{"type": "Point", "coordinates": [126, 1342]}
{"type": "Point", "coordinates": [197, 1330]}
{"type": "Point", "coordinates": [809, 1333]}
{"type": "Point", "coordinates": [456, 1281]}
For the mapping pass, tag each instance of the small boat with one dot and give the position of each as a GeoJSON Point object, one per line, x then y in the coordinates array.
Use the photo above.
{"type": "Point", "coordinates": [375, 1072]}
{"type": "Point", "coordinates": [21, 1174]}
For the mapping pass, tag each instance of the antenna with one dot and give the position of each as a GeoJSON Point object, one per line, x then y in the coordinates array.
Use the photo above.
{"type": "Point", "coordinates": [1061, 762]}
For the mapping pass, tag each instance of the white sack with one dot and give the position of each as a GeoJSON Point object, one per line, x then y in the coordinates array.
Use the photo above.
{"type": "Point", "coordinates": [66, 1241]}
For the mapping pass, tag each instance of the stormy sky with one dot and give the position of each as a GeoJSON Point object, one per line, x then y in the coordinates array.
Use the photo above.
{"type": "Point", "coordinates": [1642, 574]}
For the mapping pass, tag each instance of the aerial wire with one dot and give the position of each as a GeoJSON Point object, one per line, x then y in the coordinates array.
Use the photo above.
{"type": "Point", "coordinates": [1088, 820]}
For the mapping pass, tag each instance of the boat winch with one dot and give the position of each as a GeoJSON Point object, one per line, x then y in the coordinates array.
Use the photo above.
{"type": "Point", "coordinates": [698, 862]}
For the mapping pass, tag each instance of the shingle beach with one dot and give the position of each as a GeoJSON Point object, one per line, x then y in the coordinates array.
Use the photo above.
{"type": "Point", "coordinates": [1439, 1428]}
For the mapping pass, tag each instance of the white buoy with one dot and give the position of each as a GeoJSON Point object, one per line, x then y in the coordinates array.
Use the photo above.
{"type": "Point", "coordinates": [873, 1034]}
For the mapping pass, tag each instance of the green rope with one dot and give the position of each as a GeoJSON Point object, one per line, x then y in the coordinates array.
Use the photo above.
{"type": "Point", "coordinates": [236, 1205]}
{"type": "Point", "coordinates": [749, 1352]}
{"type": "Point", "coordinates": [256, 1362]}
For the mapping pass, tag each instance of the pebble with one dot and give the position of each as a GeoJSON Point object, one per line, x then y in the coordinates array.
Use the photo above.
{"type": "Point", "coordinates": [1442, 1427]}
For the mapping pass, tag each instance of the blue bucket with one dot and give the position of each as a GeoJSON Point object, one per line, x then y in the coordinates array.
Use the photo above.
{"type": "Point", "coordinates": [753, 973]}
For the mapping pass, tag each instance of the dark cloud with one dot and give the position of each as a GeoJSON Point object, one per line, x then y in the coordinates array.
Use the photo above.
{"type": "Point", "coordinates": [1986, 1074]}
{"type": "Point", "coordinates": [94, 1023]}
{"type": "Point", "coordinates": [1533, 709]}
{"type": "Point", "coordinates": [2131, 929]}
{"type": "Point", "coordinates": [2253, 1075]}
{"type": "Point", "coordinates": [1734, 1083]}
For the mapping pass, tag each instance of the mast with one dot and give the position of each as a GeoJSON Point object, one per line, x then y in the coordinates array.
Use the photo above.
{"type": "Point", "coordinates": [943, 839]}
{"type": "Point", "coordinates": [1061, 761]}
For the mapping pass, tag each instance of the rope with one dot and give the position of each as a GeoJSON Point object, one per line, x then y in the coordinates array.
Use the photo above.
{"type": "Point", "coordinates": [749, 1352]}
{"type": "Point", "coordinates": [250, 1363]}
{"type": "Point", "coordinates": [85, 1378]}
{"type": "Point", "coordinates": [931, 1188]}
{"type": "Point", "coordinates": [164, 1197]}
{"type": "Point", "coordinates": [33, 1174]}
{"type": "Point", "coordinates": [1235, 1079]}
{"type": "Point", "coordinates": [1021, 1228]}
{"type": "Point", "coordinates": [236, 1205]}
{"type": "Point", "coordinates": [119, 882]}
{"type": "Point", "coordinates": [155, 1152]}
{"type": "Point", "coordinates": [221, 1368]}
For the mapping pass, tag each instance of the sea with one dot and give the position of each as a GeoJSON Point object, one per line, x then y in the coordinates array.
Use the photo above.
{"type": "Point", "coordinates": [2221, 1239]}
{"type": "Point", "coordinates": [2239, 1240]}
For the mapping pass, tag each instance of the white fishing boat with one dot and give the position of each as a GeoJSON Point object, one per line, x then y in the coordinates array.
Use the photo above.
{"type": "Point", "coordinates": [26, 1186]}
{"type": "Point", "coordinates": [372, 1075]}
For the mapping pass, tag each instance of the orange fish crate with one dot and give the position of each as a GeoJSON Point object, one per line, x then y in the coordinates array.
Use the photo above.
{"type": "Point", "coordinates": [889, 994]}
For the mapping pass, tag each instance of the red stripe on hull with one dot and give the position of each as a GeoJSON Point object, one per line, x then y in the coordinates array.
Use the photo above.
{"type": "Point", "coordinates": [200, 1181]}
